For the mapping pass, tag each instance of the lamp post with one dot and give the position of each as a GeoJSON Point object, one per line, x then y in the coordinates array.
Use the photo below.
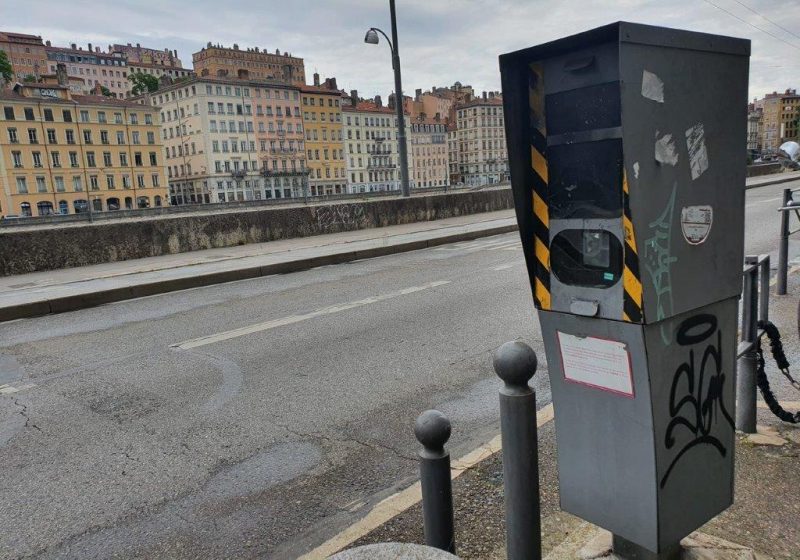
{"type": "Point", "coordinates": [372, 38]}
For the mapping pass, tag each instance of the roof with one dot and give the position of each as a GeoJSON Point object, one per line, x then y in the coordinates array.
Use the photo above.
{"type": "Point", "coordinates": [427, 120]}
{"type": "Point", "coordinates": [162, 66]}
{"type": "Point", "coordinates": [368, 107]}
{"type": "Point", "coordinates": [8, 35]}
{"type": "Point", "coordinates": [82, 52]}
{"type": "Point", "coordinates": [108, 101]}
{"type": "Point", "coordinates": [77, 100]}
{"type": "Point", "coordinates": [194, 79]}
{"type": "Point", "coordinates": [478, 101]}
{"type": "Point", "coordinates": [320, 90]}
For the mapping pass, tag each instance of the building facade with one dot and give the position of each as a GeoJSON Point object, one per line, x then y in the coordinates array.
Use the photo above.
{"type": "Point", "coordinates": [157, 70]}
{"type": "Point", "coordinates": [61, 153]}
{"type": "Point", "coordinates": [482, 154]}
{"type": "Point", "coordinates": [428, 148]}
{"type": "Point", "coordinates": [143, 55]}
{"type": "Point", "coordinates": [780, 118]}
{"type": "Point", "coordinates": [228, 140]}
{"type": "Point", "coordinates": [371, 147]}
{"type": "Point", "coordinates": [25, 53]}
{"type": "Point", "coordinates": [452, 154]}
{"type": "Point", "coordinates": [755, 124]}
{"type": "Point", "coordinates": [251, 63]}
{"type": "Point", "coordinates": [93, 67]}
{"type": "Point", "coordinates": [322, 121]}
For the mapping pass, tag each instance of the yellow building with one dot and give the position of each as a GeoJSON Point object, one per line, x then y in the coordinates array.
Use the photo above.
{"type": "Point", "coordinates": [59, 151]}
{"type": "Point", "coordinates": [322, 122]}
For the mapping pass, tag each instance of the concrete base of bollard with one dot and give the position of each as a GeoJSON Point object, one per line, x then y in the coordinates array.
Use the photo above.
{"type": "Point", "coordinates": [393, 551]}
{"type": "Point", "coordinates": [594, 544]}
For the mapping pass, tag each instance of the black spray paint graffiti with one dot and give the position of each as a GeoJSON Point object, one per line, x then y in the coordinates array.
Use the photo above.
{"type": "Point", "coordinates": [702, 405]}
{"type": "Point", "coordinates": [658, 261]}
{"type": "Point", "coordinates": [339, 214]}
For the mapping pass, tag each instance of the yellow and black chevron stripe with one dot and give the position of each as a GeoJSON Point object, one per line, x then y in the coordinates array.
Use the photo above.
{"type": "Point", "coordinates": [632, 297]}
{"type": "Point", "coordinates": [541, 219]}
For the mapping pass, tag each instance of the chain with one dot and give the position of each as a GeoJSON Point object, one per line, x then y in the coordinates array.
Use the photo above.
{"type": "Point", "coordinates": [776, 346]}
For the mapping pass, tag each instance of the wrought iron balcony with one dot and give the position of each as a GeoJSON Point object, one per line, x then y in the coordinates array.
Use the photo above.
{"type": "Point", "coordinates": [238, 173]}
{"type": "Point", "coordinates": [284, 172]}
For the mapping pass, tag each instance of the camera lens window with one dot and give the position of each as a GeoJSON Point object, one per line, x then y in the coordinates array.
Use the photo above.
{"type": "Point", "coordinates": [590, 258]}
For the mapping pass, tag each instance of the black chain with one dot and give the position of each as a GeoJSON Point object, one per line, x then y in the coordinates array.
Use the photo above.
{"type": "Point", "coordinates": [776, 346]}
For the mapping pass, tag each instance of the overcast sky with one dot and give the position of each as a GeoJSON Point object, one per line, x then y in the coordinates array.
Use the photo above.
{"type": "Point", "coordinates": [441, 41]}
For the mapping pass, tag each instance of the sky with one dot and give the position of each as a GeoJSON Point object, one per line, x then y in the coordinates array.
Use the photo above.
{"type": "Point", "coordinates": [441, 41]}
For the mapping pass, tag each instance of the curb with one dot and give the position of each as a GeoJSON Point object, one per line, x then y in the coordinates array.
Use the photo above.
{"type": "Point", "coordinates": [776, 181]}
{"type": "Point", "coordinates": [93, 299]}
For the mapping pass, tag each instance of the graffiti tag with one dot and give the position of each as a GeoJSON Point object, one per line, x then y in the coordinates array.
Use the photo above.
{"type": "Point", "coordinates": [339, 214]}
{"type": "Point", "coordinates": [658, 261]}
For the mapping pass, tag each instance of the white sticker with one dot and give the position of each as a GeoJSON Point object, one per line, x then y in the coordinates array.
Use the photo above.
{"type": "Point", "coordinates": [696, 223]}
{"type": "Point", "coordinates": [636, 169]}
{"type": "Point", "coordinates": [698, 155]}
{"type": "Point", "coordinates": [665, 150]}
{"type": "Point", "coordinates": [652, 87]}
{"type": "Point", "coordinates": [596, 362]}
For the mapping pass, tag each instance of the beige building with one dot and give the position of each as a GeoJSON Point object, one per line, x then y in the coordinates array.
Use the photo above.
{"type": "Point", "coordinates": [482, 155]}
{"type": "Point", "coordinates": [755, 125]}
{"type": "Point", "coordinates": [228, 139]}
{"type": "Point", "coordinates": [143, 55]}
{"type": "Point", "coordinates": [157, 70]}
{"type": "Point", "coordinates": [371, 147]}
{"type": "Point", "coordinates": [322, 121]}
{"type": "Point", "coordinates": [25, 53]}
{"type": "Point", "coordinates": [428, 147]}
{"type": "Point", "coordinates": [92, 66]}
{"type": "Point", "coordinates": [454, 174]}
{"type": "Point", "coordinates": [252, 63]}
{"type": "Point", "coordinates": [780, 118]}
{"type": "Point", "coordinates": [61, 152]}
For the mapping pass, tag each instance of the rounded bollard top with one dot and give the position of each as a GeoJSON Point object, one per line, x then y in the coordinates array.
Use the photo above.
{"type": "Point", "coordinates": [432, 429]}
{"type": "Point", "coordinates": [515, 363]}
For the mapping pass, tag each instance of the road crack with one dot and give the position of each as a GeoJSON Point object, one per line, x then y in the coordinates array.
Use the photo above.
{"type": "Point", "coordinates": [24, 413]}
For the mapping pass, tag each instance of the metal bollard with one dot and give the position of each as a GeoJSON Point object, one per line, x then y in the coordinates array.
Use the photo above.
{"type": "Point", "coordinates": [515, 364]}
{"type": "Point", "coordinates": [746, 386]}
{"type": "Point", "coordinates": [783, 246]}
{"type": "Point", "coordinates": [433, 430]}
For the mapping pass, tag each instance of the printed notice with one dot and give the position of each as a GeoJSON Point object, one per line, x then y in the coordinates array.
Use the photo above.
{"type": "Point", "coordinates": [600, 363]}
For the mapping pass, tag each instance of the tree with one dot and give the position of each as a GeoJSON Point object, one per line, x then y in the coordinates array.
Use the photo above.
{"type": "Point", "coordinates": [6, 70]}
{"type": "Point", "coordinates": [143, 83]}
{"type": "Point", "coordinates": [106, 92]}
{"type": "Point", "coordinates": [29, 78]}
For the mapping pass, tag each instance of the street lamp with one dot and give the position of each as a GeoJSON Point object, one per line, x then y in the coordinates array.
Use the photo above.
{"type": "Point", "coordinates": [372, 38]}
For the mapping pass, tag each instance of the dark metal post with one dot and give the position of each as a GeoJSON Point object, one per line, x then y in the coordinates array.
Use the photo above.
{"type": "Point", "coordinates": [398, 105]}
{"type": "Point", "coordinates": [783, 245]}
{"type": "Point", "coordinates": [433, 430]}
{"type": "Point", "coordinates": [763, 288]}
{"type": "Point", "coordinates": [515, 364]}
{"type": "Point", "coordinates": [746, 364]}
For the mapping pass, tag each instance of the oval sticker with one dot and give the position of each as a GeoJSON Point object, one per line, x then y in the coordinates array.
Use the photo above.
{"type": "Point", "coordinates": [696, 223]}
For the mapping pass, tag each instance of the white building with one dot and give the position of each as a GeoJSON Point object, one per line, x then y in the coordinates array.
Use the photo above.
{"type": "Point", "coordinates": [482, 154]}
{"type": "Point", "coordinates": [428, 150]}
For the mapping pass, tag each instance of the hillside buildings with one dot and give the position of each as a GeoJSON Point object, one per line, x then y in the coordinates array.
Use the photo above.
{"type": "Point", "coordinates": [482, 155]}
{"type": "Point", "coordinates": [780, 116]}
{"type": "Point", "coordinates": [143, 55]}
{"type": "Point", "coordinates": [66, 153]}
{"type": "Point", "coordinates": [25, 53]}
{"type": "Point", "coordinates": [249, 64]}
{"type": "Point", "coordinates": [92, 66]}
{"type": "Point", "coordinates": [428, 149]}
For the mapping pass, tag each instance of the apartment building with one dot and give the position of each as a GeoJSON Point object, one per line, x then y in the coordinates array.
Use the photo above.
{"type": "Point", "coordinates": [780, 118]}
{"type": "Point", "coordinates": [482, 154]}
{"type": "Point", "coordinates": [428, 148]}
{"type": "Point", "coordinates": [144, 55]}
{"type": "Point", "coordinates": [371, 147]}
{"type": "Point", "coordinates": [322, 121]}
{"type": "Point", "coordinates": [228, 139]}
{"type": "Point", "coordinates": [452, 154]}
{"type": "Point", "coordinates": [61, 152]}
{"type": "Point", "coordinates": [25, 53]}
{"type": "Point", "coordinates": [92, 66]}
{"type": "Point", "coordinates": [755, 125]}
{"type": "Point", "coordinates": [249, 64]}
{"type": "Point", "coordinates": [157, 70]}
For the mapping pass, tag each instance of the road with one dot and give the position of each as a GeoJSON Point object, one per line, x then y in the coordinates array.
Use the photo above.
{"type": "Point", "coordinates": [257, 418]}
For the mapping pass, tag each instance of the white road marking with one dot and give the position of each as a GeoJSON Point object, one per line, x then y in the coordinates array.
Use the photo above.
{"type": "Point", "coordinates": [765, 200]}
{"type": "Point", "coordinates": [791, 271]}
{"type": "Point", "coordinates": [282, 322]}
{"type": "Point", "coordinates": [8, 389]}
{"type": "Point", "coordinates": [503, 267]}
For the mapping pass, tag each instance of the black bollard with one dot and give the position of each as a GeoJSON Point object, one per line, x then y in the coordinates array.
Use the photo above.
{"type": "Point", "coordinates": [433, 430]}
{"type": "Point", "coordinates": [515, 364]}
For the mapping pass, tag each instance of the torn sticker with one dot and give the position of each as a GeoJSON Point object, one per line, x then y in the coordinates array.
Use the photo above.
{"type": "Point", "coordinates": [636, 169]}
{"type": "Point", "coordinates": [696, 223]}
{"type": "Point", "coordinates": [665, 150]}
{"type": "Point", "coordinates": [698, 155]}
{"type": "Point", "coordinates": [652, 87]}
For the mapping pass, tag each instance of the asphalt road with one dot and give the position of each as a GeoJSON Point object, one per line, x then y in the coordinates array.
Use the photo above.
{"type": "Point", "coordinates": [257, 418]}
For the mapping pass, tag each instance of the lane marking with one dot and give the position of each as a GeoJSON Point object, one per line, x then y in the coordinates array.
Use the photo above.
{"type": "Point", "coordinates": [8, 389]}
{"type": "Point", "coordinates": [791, 271]}
{"type": "Point", "coordinates": [397, 503]}
{"type": "Point", "coordinates": [503, 267]}
{"type": "Point", "coordinates": [292, 319]}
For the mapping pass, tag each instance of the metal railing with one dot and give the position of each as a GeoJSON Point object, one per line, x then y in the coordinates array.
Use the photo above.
{"type": "Point", "coordinates": [788, 206]}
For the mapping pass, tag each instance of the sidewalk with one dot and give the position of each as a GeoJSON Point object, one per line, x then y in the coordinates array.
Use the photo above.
{"type": "Point", "coordinates": [40, 293]}
{"type": "Point", "coordinates": [762, 524]}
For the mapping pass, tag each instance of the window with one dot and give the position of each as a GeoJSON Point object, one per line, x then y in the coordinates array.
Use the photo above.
{"type": "Point", "coordinates": [17, 157]}
{"type": "Point", "coordinates": [148, 118]}
{"type": "Point", "coordinates": [140, 181]}
{"type": "Point", "coordinates": [87, 136]}
{"type": "Point", "coordinates": [107, 159]}
{"type": "Point", "coordinates": [155, 179]}
{"type": "Point", "coordinates": [84, 116]}
{"type": "Point", "coordinates": [48, 115]}
{"type": "Point", "coordinates": [135, 136]}
{"type": "Point", "coordinates": [37, 159]}
{"type": "Point", "coordinates": [90, 162]}
{"type": "Point", "coordinates": [126, 182]}
{"type": "Point", "coordinates": [12, 136]}
{"type": "Point", "coordinates": [70, 136]}
{"type": "Point", "coordinates": [77, 186]}
{"type": "Point", "coordinates": [117, 118]}
{"type": "Point", "coordinates": [41, 186]}
{"type": "Point", "coordinates": [66, 114]}
{"type": "Point", "coordinates": [101, 116]}
{"type": "Point", "coordinates": [28, 113]}
{"type": "Point", "coordinates": [73, 159]}
{"type": "Point", "coordinates": [123, 159]}
{"type": "Point", "coordinates": [8, 112]}
{"type": "Point", "coordinates": [22, 186]}
{"type": "Point", "coordinates": [93, 183]}
{"type": "Point", "coordinates": [151, 137]}
{"type": "Point", "coordinates": [56, 157]}
{"type": "Point", "coordinates": [32, 138]}
{"type": "Point", "coordinates": [134, 118]}
{"type": "Point", "coordinates": [137, 159]}
{"type": "Point", "coordinates": [59, 181]}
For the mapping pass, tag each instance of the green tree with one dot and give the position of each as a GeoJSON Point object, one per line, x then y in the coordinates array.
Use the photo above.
{"type": "Point", "coordinates": [6, 70]}
{"type": "Point", "coordinates": [29, 78]}
{"type": "Point", "coordinates": [143, 83]}
{"type": "Point", "coordinates": [106, 92]}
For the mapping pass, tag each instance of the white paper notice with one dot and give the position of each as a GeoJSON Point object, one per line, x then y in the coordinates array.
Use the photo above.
{"type": "Point", "coordinates": [600, 363]}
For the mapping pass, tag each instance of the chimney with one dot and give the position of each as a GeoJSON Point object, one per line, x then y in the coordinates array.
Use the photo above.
{"type": "Point", "coordinates": [354, 97]}
{"type": "Point", "coordinates": [390, 103]}
{"type": "Point", "coordinates": [175, 53]}
{"type": "Point", "coordinates": [422, 115]}
{"type": "Point", "coordinates": [61, 73]}
{"type": "Point", "coordinates": [378, 101]}
{"type": "Point", "coordinates": [437, 117]}
{"type": "Point", "coordinates": [48, 43]}
{"type": "Point", "coordinates": [484, 96]}
{"type": "Point", "coordinates": [74, 46]}
{"type": "Point", "coordinates": [491, 95]}
{"type": "Point", "coordinates": [98, 89]}
{"type": "Point", "coordinates": [97, 49]}
{"type": "Point", "coordinates": [91, 49]}
{"type": "Point", "coordinates": [138, 46]}
{"type": "Point", "coordinates": [417, 94]}
{"type": "Point", "coordinates": [316, 79]}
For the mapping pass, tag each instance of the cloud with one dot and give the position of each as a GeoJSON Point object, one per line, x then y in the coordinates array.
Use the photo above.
{"type": "Point", "coordinates": [441, 41]}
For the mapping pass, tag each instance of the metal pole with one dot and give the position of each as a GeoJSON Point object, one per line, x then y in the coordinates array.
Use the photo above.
{"type": "Point", "coordinates": [763, 288]}
{"type": "Point", "coordinates": [398, 105]}
{"type": "Point", "coordinates": [515, 364]}
{"type": "Point", "coordinates": [783, 245]}
{"type": "Point", "coordinates": [746, 387]}
{"type": "Point", "coordinates": [433, 430]}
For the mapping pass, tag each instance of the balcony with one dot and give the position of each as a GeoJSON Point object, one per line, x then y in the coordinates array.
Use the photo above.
{"type": "Point", "coordinates": [238, 173]}
{"type": "Point", "coordinates": [283, 150]}
{"type": "Point", "coordinates": [284, 172]}
{"type": "Point", "coordinates": [371, 165]}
